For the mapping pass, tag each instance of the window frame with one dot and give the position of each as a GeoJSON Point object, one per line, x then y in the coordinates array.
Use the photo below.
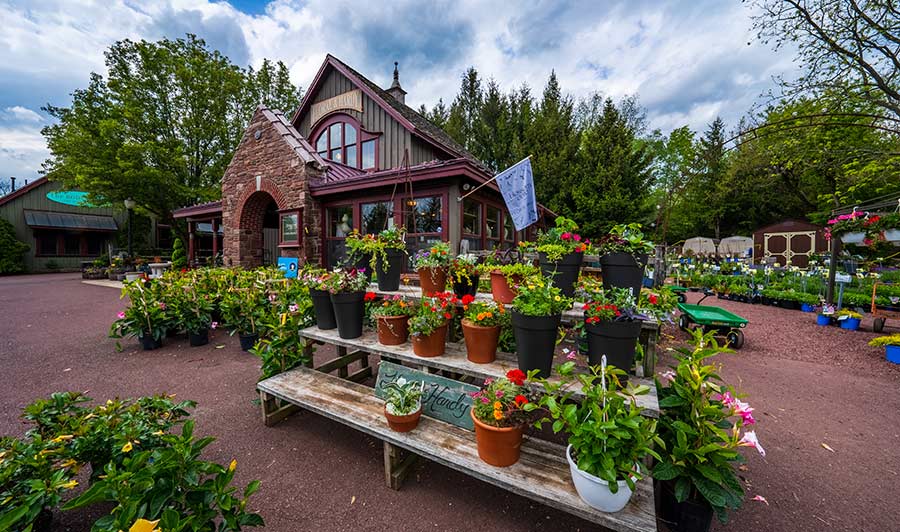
{"type": "Point", "coordinates": [282, 214]}
{"type": "Point", "coordinates": [362, 136]}
{"type": "Point", "coordinates": [484, 238]}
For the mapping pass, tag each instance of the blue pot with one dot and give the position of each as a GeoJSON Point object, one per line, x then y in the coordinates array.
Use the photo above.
{"type": "Point", "coordinates": [892, 353]}
{"type": "Point", "coordinates": [850, 324]}
{"type": "Point", "coordinates": [806, 307]}
{"type": "Point", "coordinates": [823, 320]}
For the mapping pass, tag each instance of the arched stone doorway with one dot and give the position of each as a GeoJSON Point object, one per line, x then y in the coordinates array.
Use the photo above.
{"type": "Point", "coordinates": [258, 241]}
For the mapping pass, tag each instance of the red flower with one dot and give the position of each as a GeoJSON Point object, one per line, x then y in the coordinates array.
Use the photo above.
{"type": "Point", "coordinates": [370, 296]}
{"type": "Point", "coordinates": [516, 376]}
{"type": "Point", "coordinates": [652, 299]}
{"type": "Point", "coordinates": [521, 400]}
{"type": "Point", "coordinates": [447, 315]}
{"type": "Point", "coordinates": [468, 298]}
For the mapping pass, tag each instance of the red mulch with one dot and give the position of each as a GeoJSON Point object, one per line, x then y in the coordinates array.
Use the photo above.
{"type": "Point", "coordinates": [809, 385]}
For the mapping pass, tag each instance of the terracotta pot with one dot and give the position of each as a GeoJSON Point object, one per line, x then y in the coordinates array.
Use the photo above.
{"type": "Point", "coordinates": [403, 423]}
{"type": "Point", "coordinates": [481, 342]}
{"type": "Point", "coordinates": [501, 289]}
{"type": "Point", "coordinates": [393, 330]}
{"type": "Point", "coordinates": [497, 446]}
{"type": "Point", "coordinates": [431, 345]}
{"type": "Point", "coordinates": [432, 280]}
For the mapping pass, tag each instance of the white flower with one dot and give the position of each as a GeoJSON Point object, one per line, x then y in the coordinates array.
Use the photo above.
{"type": "Point", "coordinates": [401, 381]}
{"type": "Point", "coordinates": [750, 440]}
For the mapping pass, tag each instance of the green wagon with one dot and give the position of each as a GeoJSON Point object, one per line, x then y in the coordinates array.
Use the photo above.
{"type": "Point", "coordinates": [680, 291]}
{"type": "Point", "coordinates": [712, 318]}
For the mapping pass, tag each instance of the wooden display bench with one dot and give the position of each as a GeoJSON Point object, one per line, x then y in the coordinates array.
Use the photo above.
{"type": "Point", "coordinates": [542, 473]}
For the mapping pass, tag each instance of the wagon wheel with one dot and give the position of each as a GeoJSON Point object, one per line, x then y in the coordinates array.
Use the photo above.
{"type": "Point", "coordinates": [682, 298]}
{"type": "Point", "coordinates": [878, 324]}
{"type": "Point", "coordinates": [735, 338]}
{"type": "Point", "coordinates": [684, 322]}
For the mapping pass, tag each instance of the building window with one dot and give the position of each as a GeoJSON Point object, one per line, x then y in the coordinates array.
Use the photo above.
{"type": "Point", "coordinates": [71, 244]}
{"type": "Point", "coordinates": [425, 215]}
{"type": "Point", "coordinates": [95, 244]}
{"type": "Point", "coordinates": [509, 231]}
{"type": "Point", "coordinates": [376, 217]}
{"type": "Point", "coordinates": [46, 243]}
{"type": "Point", "coordinates": [290, 228]}
{"type": "Point", "coordinates": [340, 221]}
{"type": "Point", "coordinates": [471, 217]}
{"type": "Point", "coordinates": [340, 139]}
{"type": "Point", "coordinates": [492, 225]}
{"type": "Point", "coordinates": [368, 154]}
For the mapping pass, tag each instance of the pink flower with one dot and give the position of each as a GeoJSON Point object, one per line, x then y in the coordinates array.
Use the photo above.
{"type": "Point", "coordinates": [667, 376]}
{"type": "Point", "coordinates": [566, 236]}
{"type": "Point", "coordinates": [760, 498]}
{"type": "Point", "coordinates": [120, 315]}
{"type": "Point", "coordinates": [485, 400]}
{"type": "Point", "coordinates": [272, 298]}
{"type": "Point", "coordinates": [577, 238]}
{"type": "Point", "coordinates": [162, 306]}
{"type": "Point", "coordinates": [750, 440]}
{"type": "Point", "coordinates": [214, 324]}
{"type": "Point", "coordinates": [571, 356]}
{"type": "Point", "coordinates": [487, 382]}
{"type": "Point", "coordinates": [498, 394]}
{"type": "Point", "coordinates": [587, 242]}
{"type": "Point", "coordinates": [293, 307]}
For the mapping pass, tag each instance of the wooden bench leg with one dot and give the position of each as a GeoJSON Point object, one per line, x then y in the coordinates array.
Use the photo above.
{"type": "Point", "coordinates": [397, 466]}
{"type": "Point", "coordinates": [308, 350]}
{"type": "Point", "coordinates": [341, 353]}
{"type": "Point", "coordinates": [272, 411]}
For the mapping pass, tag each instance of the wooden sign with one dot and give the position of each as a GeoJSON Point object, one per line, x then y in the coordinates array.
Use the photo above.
{"type": "Point", "coordinates": [444, 399]}
{"type": "Point", "coordinates": [349, 101]}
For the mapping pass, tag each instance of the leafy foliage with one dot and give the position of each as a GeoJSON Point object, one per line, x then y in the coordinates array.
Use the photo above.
{"type": "Point", "coordinates": [11, 249]}
{"type": "Point", "coordinates": [403, 397]}
{"type": "Point", "coordinates": [538, 297]}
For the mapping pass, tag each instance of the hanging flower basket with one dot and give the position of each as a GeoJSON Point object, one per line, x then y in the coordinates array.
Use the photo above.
{"type": "Point", "coordinates": [854, 237]}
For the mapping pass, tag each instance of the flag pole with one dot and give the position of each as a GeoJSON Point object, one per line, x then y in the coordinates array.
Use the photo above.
{"type": "Point", "coordinates": [469, 193]}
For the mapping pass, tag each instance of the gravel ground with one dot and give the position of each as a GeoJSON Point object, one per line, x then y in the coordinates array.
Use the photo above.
{"type": "Point", "coordinates": [810, 385]}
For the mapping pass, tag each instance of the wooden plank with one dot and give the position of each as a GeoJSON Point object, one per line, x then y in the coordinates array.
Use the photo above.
{"type": "Point", "coordinates": [272, 412]}
{"type": "Point", "coordinates": [361, 374]}
{"type": "Point", "coordinates": [396, 466]}
{"type": "Point", "coordinates": [342, 361]}
{"type": "Point", "coordinates": [454, 359]}
{"type": "Point", "coordinates": [542, 473]}
{"type": "Point", "coordinates": [442, 398]}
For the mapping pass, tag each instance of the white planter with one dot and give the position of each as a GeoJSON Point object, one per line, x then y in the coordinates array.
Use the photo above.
{"type": "Point", "coordinates": [595, 492]}
{"type": "Point", "coordinates": [855, 237]}
{"type": "Point", "coordinates": [133, 276]}
{"type": "Point", "coordinates": [892, 234]}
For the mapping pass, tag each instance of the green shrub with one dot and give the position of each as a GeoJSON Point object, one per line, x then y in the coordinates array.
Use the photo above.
{"type": "Point", "coordinates": [11, 250]}
{"type": "Point", "coordinates": [179, 258]}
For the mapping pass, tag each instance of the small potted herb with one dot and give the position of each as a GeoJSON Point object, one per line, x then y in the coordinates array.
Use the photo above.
{"type": "Point", "coordinates": [388, 256]}
{"type": "Point", "coordinates": [561, 252]}
{"type": "Point", "coordinates": [891, 346]}
{"type": "Point", "coordinates": [608, 436]}
{"type": "Point", "coordinates": [613, 326]}
{"type": "Point", "coordinates": [403, 404]}
{"type": "Point", "coordinates": [623, 257]}
{"type": "Point", "coordinates": [481, 324]}
{"type": "Point", "coordinates": [498, 411]}
{"type": "Point", "coordinates": [536, 315]}
{"type": "Point", "coordinates": [431, 264]}
{"type": "Point", "coordinates": [348, 292]}
{"type": "Point", "coordinates": [464, 275]}
{"type": "Point", "coordinates": [392, 319]}
{"type": "Point", "coordinates": [428, 326]}
{"type": "Point", "coordinates": [848, 319]}
{"type": "Point", "coordinates": [316, 280]}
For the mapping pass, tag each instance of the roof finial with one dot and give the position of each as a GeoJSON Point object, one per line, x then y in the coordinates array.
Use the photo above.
{"type": "Point", "coordinates": [396, 90]}
{"type": "Point", "coordinates": [396, 75]}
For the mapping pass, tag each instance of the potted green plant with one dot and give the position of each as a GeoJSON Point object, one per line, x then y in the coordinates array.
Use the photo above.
{"type": "Point", "coordinates": [392, 319]}
{"type": "Point", "coordinates": [607, 435]}
{"type": "Point", "coordinates": [431, 264]}
{"type": "Point", "coordinates": [825, 315]}
{"type": "Point", "coordinates": [360, 252]}
{"type": "Point", "coordinates": [388, 256]}
{"type": "Point", "coordinates": [623, 257]}
{"type": "Point", "coordinates": [891, 346]}
{"type": "Point", "coordinates": [505, 278]}
{"type": "Point", "coordinates": [848, 319]}
{"type": "Point", "coordinates": [481, 324]}
{"type": "Point", "coordinates": [195, 315]}
{"type": "Point", "coordinates": [561, 252]}
{"type": "Point", "coordinates": [145, 318]}
{"type": "Point", "coordinates": [498, 412]}
{"type": "Point", "coordinates": [242, 309]}
{"type": "Point", "coordinates": [428, 325]}
{"type": "Point", "coordinates": [403, 404]}
{"type": "Point", "coordinates": [316, 280]}
{"type": "Point", "coordinates": [702, 424]}
{"type": "Point", "coordinates": [348, 292]}
{"type": "Point", "coordinates": [536, 314]}
{"type": "Point", "coordinates": [613, 326]}
{"type": "Point", "coordinates": [464, 275]}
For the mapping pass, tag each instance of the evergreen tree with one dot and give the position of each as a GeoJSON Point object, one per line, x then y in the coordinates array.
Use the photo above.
{"type": "Point", "coordinates": [463, 119]}
{"type": "Point", "coordinates": [271, 86]}
{"type": "Point", "coordinates": [521, 116]}
{"type": "Point", "coordinates": [492, 131]}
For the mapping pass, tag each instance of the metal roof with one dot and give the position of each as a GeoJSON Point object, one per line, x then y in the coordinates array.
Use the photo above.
{"type": "Point", "coordinates": [64, 220]}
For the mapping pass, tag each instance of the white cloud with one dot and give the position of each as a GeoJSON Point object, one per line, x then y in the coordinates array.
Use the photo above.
{"type": "Point", "coordinates": [23, 114]}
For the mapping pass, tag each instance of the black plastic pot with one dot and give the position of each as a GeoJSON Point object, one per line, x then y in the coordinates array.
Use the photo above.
{"type": "Point", "coordinates": [389, 272]}
{"type": "Point", "coordinates": [535, 341]}
{"type": "Point", "coordinates": [198, 338]}
{"type": "Point", "coordinates": [689, 516]}
{"type": "Point", "coordinates": [321, 301]}
{"type": "Point", "coordinates": [248, 341]}
{"type": "Point", "coordinates": [149, 343]}
{"type": "Point", "coordinates": [616, 340]}
{"type": "Point", "coordinates": [349, 311]}
{"type": "Point", "coordinates": [623, 270]}
{"type": "Point", "coordinates": [467, 287]}
{"type": "Point", "coordinates": [563, 272]}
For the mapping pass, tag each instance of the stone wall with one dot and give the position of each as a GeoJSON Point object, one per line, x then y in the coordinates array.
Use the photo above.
{"type": "Point", "coordinates": [263, 169]}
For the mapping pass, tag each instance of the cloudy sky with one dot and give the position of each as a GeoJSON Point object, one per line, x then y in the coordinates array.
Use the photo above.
{"type": "Point", "coordinates": [687, 61]}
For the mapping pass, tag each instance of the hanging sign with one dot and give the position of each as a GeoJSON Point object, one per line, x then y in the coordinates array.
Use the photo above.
{"type": "Point", "coordinates": [444, 399]}
{"type": "Point", "coordinates": [289, 266]}
{"type": "Point", "coordinates": [842, 277]}
{"type": "Point", "coordinates": [347, 101]}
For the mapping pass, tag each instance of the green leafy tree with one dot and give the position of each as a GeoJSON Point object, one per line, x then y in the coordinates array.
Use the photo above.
{"type": "Point", "coordinates": [271, 86]}
{"type": "Point", "coordinates": [493, 130]}
{"type": "Point", "coordinates": [674, 168]}
{"type": "Point", "coordinates": [464, 118]}
{"type": "Point", "coordinates": [438, 114]}
{"type": "Point", "coordinates": [11, 250]}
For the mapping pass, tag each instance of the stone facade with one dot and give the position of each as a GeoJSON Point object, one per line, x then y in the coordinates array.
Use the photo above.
{"type": "Point", "coordinates": [266, 167]}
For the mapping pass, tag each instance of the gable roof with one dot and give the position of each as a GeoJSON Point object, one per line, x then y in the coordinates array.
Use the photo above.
{"type": "Point", "coordinates": [404, 114]}
{"type": "Point", "coordinates": [21, 191]}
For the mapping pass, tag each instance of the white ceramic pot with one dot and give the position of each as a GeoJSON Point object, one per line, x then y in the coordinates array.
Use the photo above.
{"type": "Point", "coordinates": [595, 492]}
{"type": "Point", "coordinates": [892, 235]}
{"type": "Point", "coordinates": [133, 276]}
{"type": "Point", "coordinates": [855, 237]}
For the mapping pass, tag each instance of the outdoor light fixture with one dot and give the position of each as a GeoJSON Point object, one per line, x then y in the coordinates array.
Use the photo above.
{"type": "Point", "coordinates": [411, 203]}
{"type": "Point", "coordinates": [467, 187]}
{"type": "Point", "coordinates": [129, 204]}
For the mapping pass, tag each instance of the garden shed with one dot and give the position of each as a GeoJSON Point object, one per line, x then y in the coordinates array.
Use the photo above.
{"type": "Point", "coordinates": [789, 243]}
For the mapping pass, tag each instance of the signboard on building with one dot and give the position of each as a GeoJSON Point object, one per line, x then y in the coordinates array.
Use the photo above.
{"type": "Point", "coordinates": [289, 266]}
{"type": "Point", "coordinates": [347, 101]}
{"type": "Point", "coordinates": [444, 399]}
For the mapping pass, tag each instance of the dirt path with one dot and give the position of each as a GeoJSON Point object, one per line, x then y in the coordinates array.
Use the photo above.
{"type": "Point", "coordinates": [810, 386]}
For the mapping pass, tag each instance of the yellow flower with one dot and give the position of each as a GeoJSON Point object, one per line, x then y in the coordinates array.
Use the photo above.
{"type": "Point", "coordinates": [283, 318]}
{"type": "Point", "coordinates": [68, 463]}
{"type": "Point", "coordinates": [232, 465]}
{"type": "Point", "coordinates": [498, 415]}
{"type": "Point", "coordinates": [157, 433]}
{"type": "Point", "coordinates": [497, 405]}
{"type": "Point", "coordinates": [557, 298]}
{"type": "Point", "coordinates": [142, 525]}
{"type": "Point", "coordinates": [127, 447]}
{"type": "Point", "coordinates": [69, 485]}
{"type": "Point", "coordinates": [63, 437]}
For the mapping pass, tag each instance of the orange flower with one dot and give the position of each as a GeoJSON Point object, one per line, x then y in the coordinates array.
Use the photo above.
{"type": "Point", "coordinates": [498, 415]}
{"type": "Point", "coordinates": [498, 405]}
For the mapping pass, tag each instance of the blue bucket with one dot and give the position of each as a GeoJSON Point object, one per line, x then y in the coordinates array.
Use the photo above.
{"type": "Point", "coordinates": [892, 353]}
{"type": "Point", "coordinates": [806, 307]}
{"type": "Point", "coordinates": [851, 324]}
{"type": "Point", "coordinates": [823, 320]}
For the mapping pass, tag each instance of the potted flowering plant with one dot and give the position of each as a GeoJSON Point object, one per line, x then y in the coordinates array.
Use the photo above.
{"type": "Point", "coordinates": [392, 319]}
{"type": "Point", "coordinates": [891, 345]}
{"type": "Point", "coordinates": [428, 325]}
{"type": "Point", "coordinates": [851, 228]}
{"type": "Point", "coordinates": [388, 256]}
{"type": "Point", "coordinates": [242, 309]}
{"type": "Point", "coordinates": [316, 280]}
{"type": "Point", "coordinates": [608, 436]}
{"type": "Point", "coordinates": [195, 315]}
{"type": "Point", "coordinates": [361, 250]}
{"type": "Point", "coordinates": [498, 411]}
{"type": "Point", "coordinates": [613, 326]}
{"type": "Point", "coordinates": [481, 324]}
{"type": "Point", "coordinates": [889, 225]}
{"type": "Point", "coordinates": [348, 294]}
{"type": "Point", "coordinates": [623, 257]}
{"type": "Point", "coordinates": [561, 251]}
{"type": "Point", "coordinates": [403, 404]}
{"type": "Point", "coordinates": [431, 265]}
{"type": "Point", "coordinates": [848, 319]}
{"type": "Point", "coordinates": [145, 319]}
{"type": "Point", "coordinates": [537, 312]}
{"type": "Point", "coordinates": [825, 315]}
{"type": "Point", "coordinates": [702, 426]}
{"type": "Point", "coordinates": [464, 275]}
{"type": "Point", "coordinates": [505, 278]}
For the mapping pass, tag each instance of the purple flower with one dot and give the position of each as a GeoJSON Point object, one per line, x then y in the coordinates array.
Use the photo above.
{"type": "Point", "coordinates": [293, 307]}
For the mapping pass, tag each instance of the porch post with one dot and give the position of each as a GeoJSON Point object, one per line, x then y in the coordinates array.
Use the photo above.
{"type": "Point", "coordinates": [215, 231]}
{"type": "Point", "coordinates": [190, 243]}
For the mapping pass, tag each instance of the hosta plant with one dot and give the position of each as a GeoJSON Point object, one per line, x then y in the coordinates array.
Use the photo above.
{"type": "Point", "coordinates": [403, 397]}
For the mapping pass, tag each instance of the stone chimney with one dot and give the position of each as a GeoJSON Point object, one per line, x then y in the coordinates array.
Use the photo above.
{"type": "Point", "coordinates": [396, 90]}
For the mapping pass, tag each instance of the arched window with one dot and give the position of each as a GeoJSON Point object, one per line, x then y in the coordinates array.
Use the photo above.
{"type": "Point", "coordinates": [341, 139]}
